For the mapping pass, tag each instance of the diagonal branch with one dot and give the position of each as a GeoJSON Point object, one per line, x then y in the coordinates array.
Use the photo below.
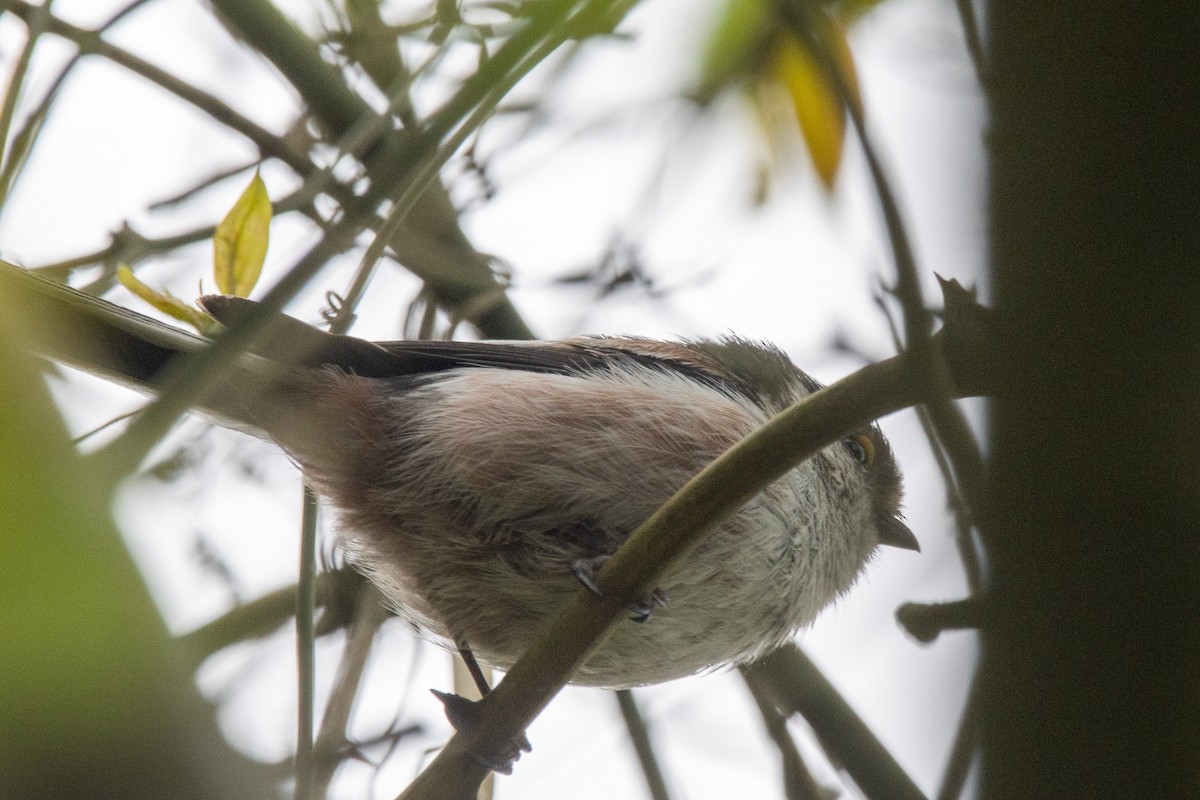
{"type": "Point", "coordinates": [799, 687]}
{"type": "Point", "coordinates": [712, 496]}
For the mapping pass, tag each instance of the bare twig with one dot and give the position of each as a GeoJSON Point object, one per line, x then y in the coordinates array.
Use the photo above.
{"type": "Point", "coordinates": [305, 648]}
{"type": "Point", "coordinates": [121, 14]}
{"type": "Point", "coordinates": [90, 41]}
{"type": "Point", "coordinates": [799, 687]}
{"type": "Point", "coordinates": [635, 723]}
{"type": "Point", "coordinates": [16, 151]}
{"type": "Point", "coordinates": [970, 25]}
{"type": "Point", "coordinates": [966, 741]}
{"type": "Point", "coordinates": [964, 526]}
{"type": "Point", "coordinates": [371, 613]}
{"type": "Point", "coordinates": [263, 616]}
{"type": "Point", "coordinates": [798, 781]}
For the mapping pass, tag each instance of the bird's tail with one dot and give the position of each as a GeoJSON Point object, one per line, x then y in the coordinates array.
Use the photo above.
{"type": "Point", "coordinates": [282, 397]}
{"type": "Point", "coordinates": [67, 325]}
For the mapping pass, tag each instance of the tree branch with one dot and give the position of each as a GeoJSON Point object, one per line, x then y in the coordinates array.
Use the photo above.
{"type": "Point", "coordinates": [801, 688]}
{"type": "Point", "coordinates": [712, 496]}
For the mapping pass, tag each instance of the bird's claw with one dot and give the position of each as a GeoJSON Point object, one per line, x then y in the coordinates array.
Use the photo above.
{"type": "Point", "coordinates": [643, 609]}
{"type": "Point", "coordinates": [585, 569]}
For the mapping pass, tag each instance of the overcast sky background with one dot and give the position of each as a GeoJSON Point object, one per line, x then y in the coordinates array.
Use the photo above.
{"type": "Point", "coordinates": [798, 272]}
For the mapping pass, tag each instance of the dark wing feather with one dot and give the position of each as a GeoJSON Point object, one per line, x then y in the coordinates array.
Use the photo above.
{"type": "Point", "coordinates": [572, 357]}
{"type": "Point", "coordinates": [560, 358]}
{"type": "Point", "coordinates": [295, 342]}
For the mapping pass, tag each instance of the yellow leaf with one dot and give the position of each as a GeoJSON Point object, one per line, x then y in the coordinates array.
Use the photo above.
{"type": "Point", "coordinates": [240, 240]}
{"type": "Point", "coordinates": [814, 99]}
{"type": "Point", "coordinates": [164, 301]}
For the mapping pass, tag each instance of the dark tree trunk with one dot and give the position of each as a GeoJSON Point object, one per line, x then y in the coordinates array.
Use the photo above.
{"type": "Point", "coordinates": [1091, 663]}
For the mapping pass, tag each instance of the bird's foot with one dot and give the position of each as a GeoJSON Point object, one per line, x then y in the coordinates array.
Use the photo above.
{"type": "Point", "coordinates": [585, 569]}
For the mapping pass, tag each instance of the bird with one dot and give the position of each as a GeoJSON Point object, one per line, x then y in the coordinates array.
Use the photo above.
{"type": "Point", "coordinates": [479, 484]}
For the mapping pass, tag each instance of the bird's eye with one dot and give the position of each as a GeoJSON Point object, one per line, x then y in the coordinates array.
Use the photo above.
{"type": "Point", "coordinates": [861, 447]}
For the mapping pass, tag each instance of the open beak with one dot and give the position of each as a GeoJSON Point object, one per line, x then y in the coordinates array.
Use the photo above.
{"type": "Point", "coordinates": [894, 533]}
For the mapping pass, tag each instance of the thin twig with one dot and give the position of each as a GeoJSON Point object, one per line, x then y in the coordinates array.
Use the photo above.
{"type": "Point", "coordinates": [964, 527]}
{"type": "Point", "coordinates": [17, 150]}
{"type": "Point", "coordinates": [91, 42]}
{"type": "Point", "coordinates": [120, 14]}
{"type": "Point", "coordinates": [966, 741]}
{"type": "Point", "coordinates": [206, 182]}
{"type": "Point", "coordinates": [36, 26]}
{"type": "Point", "coordinates": [261, 616]}
{"type": "Point", "coordinates": [635, 723]}
{"type": "Point", "coordinates": [926, 621]}
{"type": "Point", "coordinates": [128, 246]}
{"type": "Point", "coordinates": [798, 781]}
{"type": "Point", "coordinates": [306, 648]}
{"type": "Point", "coordinates": [974, 41]}
{"type": "Point", "coordinates": [369, 616]}
{"type": "Point", "coordinates": [798, 685]}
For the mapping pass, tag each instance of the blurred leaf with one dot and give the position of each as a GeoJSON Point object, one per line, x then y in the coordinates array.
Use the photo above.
{"type": "Point", "coordinates": [736, 41]}
{"type": "Point", "coordinates": [95, 701]}
{"type": "Point", "coordinates": [240, 241]}
{"type": "Point", "coordinates": [814, 98]}
{"type": "Point", "coordinates": [164, 301]}
{"type": "Point", "coordinates": [848, 11]}
{"type": "Point", "coordinates": [747, 49]}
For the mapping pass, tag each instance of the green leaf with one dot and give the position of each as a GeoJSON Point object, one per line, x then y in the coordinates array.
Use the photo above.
{"type": "Point", "coordinates": [164, 301]}
{"type": "Point", "coordinates": [733, 46]}
{"type": "Point", "coordinates": [98, 696]}
{"type": "Point", "coordinates": [240, 240]}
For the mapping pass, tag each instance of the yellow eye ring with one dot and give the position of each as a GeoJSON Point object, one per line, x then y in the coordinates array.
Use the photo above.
{"type": "Point", "coordinates": [862, 447]}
